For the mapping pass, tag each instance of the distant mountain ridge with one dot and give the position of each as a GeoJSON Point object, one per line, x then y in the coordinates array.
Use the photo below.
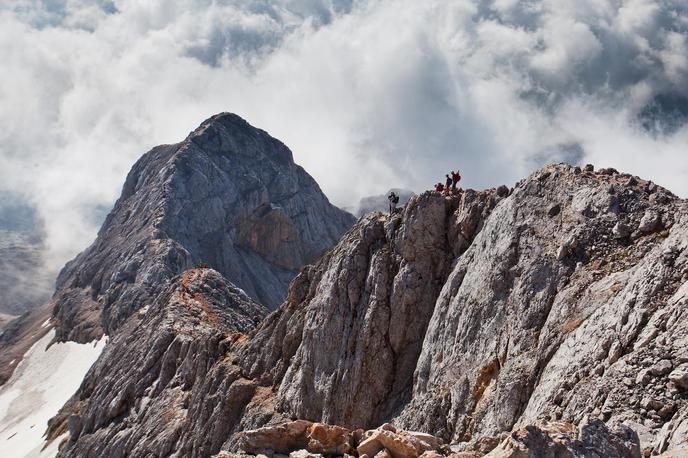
{"type": "Point", "coordinates": [25, 282]}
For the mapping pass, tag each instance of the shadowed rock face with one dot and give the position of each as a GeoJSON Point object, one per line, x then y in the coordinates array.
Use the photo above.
{"type": "Point", "coordinates": [228, 197]}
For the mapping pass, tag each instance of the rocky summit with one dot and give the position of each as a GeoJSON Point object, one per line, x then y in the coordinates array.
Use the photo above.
{"type": "Point", "coordinates": [545, 320]}
{"type": "Point", "coordinates": [228, 197]}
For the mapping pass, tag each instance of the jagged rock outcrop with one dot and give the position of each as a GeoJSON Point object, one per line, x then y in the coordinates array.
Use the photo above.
{"type": "Point", "coordinates": [520, 334]}
{"type": "Point", "coordinates": [413, 252]}
{"type": "Point", "coordinates": [467, 316]}
{"type": "Point", "coordinates": [158, 388]}
{"type": "Point", "coordinates": [349, 335]}
{"type": "Point", "coordinates": [228, 197]}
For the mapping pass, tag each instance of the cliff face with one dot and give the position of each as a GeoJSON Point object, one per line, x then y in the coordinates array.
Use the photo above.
{"type": "Point", "coordinates": [570, 302]}
{"type": "Point", "coordinates": [342, 347]}
{"type": "Point", "coordinates": [465, 316]}
{"type": "Point", "coordinates": [228, 197]}
{"type": "Point", "coordinates": [469, 316]}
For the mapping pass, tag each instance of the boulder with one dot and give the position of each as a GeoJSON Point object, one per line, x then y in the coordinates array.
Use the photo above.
{"type": "Point", "coordinates": [400, 444]}
{"type": "Point", "coordinates": [283, 438]}
{"type": "Point", "coordinates": [563, 440]}
{"type": "Point", "coordinates": [663, 367]}
{"type": "Point", "coordinates": [621, 230]}
{"type": "Point", "coordinates": [650, 222]}
{"type": "Point", "coordinates": [329, 440]}
{"type": "Point", "coordinates": [679, 377]}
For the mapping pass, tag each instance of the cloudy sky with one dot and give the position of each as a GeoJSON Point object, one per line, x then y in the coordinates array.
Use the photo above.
{"type": "Point", "coordinates": [373, 92]}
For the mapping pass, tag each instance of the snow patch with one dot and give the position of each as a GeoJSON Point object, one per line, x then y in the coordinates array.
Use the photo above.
{"type": "Point", "coordinates": [40, 385]}
{"type": "Point", "coordinates": [46, 323]}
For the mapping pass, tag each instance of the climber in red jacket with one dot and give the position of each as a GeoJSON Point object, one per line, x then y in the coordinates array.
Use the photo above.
{"type": "Point", "coordinates": [456, 177]}
{"type": "Point", "coordinates": [439, 187]}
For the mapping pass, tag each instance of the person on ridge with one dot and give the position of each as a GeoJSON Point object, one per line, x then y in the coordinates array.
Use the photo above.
{"type": "Point", "coordinates": [439, 187]}
{"type": "Point", "coordinates": [393, 201]}
{"type": "Point", "coordinates": [448, 186]}
{"type": "Point", "coordinates": [456, 177]}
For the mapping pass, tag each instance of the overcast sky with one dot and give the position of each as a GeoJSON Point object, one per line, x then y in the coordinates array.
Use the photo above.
{"type": "Point", "coordinates": [374, 93]}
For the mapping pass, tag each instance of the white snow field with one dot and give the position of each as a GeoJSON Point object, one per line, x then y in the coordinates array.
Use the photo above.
{"type": "Point", "coordinates": [42, 382]}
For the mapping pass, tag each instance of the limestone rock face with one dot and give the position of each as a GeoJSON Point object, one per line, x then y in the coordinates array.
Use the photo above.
{"type": "Point", "coordinates": [344, 346]}
{"type": "Point", "coordinates": [521, 333]}
{"type": "Point", "coordinates": [228, 197]}
{"type": "Point", "coordinates": [519, 322]}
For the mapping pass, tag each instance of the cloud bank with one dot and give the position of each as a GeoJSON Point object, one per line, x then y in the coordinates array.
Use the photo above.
{"type": "Point", "coordinates": [380, 93]}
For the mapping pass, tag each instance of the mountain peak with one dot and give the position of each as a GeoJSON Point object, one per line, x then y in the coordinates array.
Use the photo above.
{"type": "Point", "coordinates": [228, 197]}
{"type": "Point", "coordinates": [230, 133]}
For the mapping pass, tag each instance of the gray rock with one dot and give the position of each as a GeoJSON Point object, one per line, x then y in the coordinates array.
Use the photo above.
{"type": "Point", "coordinates": [663, 367]}
{"type": "Point", "coordinates": [631, 181]}
{"type": "Point", "coordinates": [567, 248]}
{"type": "Point", "coordinates": [679, 377]}
{"type": "Point", "coordinates": [503, 191]}
{"type": "Point", "coordinates": [452, 318]}
{"type": "Point", "coordinates": [228, 197]}
{"type": "Point", "coordinates": [650, 222]}
{"type": "Point", "coordinates": [164, 372]}
{"type": "Point", "coordinates": [554, 210]}
{"type": "Point", "coordinates": [621, 230]}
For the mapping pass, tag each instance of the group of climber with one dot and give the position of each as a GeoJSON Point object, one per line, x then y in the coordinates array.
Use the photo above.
{"type": "Point", "coordinates": [451, 183]}
{"type": "Point", "coordinates": [450, 187]}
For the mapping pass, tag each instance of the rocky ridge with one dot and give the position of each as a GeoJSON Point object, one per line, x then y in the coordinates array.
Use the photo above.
{"type": "Point", "coordinates": [466, 316]}
{"type": "Point", "coordinates": [228, 197]}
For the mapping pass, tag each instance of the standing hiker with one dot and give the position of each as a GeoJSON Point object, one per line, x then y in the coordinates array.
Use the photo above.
{"type": "Point", "coordinates": [456, 177]}
{"type": "Point", "coordinates": [393, 201]}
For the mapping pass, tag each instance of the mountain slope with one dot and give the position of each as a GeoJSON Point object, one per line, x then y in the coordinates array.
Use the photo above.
{"type": "Point", "coordinates": [228, 197]}
{"type": "Point", "coordinates": [465, 316]}
{"type": "Point", "coordinates": [156, 390]}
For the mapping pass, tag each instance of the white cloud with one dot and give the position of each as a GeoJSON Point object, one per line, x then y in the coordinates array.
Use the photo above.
{"type": "Point", "coordinates": [380, 93]}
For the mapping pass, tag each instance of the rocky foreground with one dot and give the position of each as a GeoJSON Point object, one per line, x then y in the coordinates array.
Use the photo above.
{"type": "Point", "coordinates": [544, 320]}
{"type": "Point", "coordinates": [304, 439]}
